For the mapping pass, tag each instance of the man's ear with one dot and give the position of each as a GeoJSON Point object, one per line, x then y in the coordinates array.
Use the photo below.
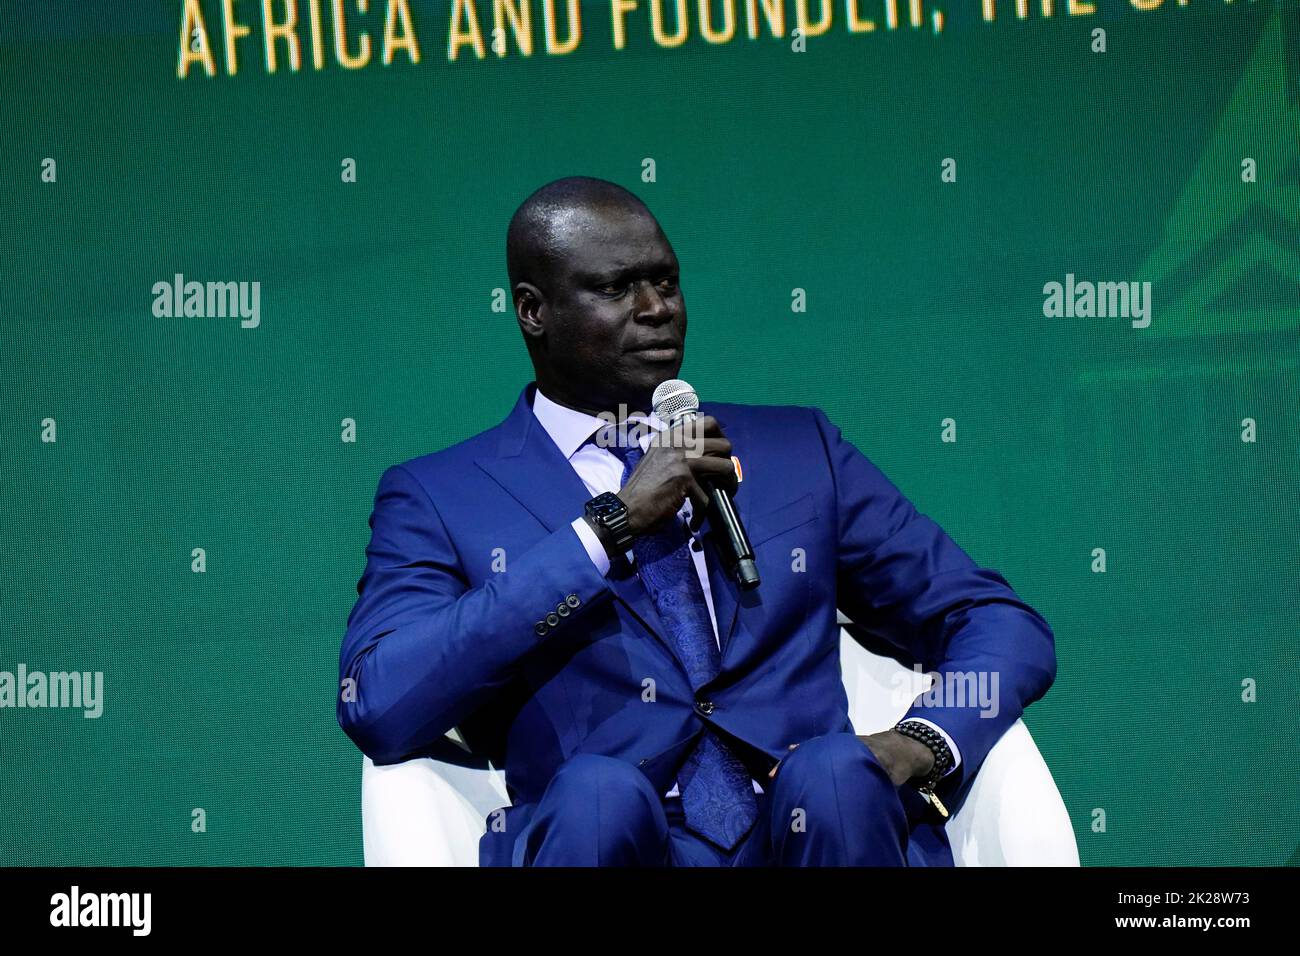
{"type": "Point", "coordinates": [530, 310]}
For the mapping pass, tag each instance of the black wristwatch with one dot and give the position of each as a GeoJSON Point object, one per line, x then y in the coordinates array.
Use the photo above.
{"type": "Point", "coordinates": [608, 513]}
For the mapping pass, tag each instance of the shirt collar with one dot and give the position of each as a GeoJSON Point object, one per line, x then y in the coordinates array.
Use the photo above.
{"type": "Point", "coordinates": [570, 428]}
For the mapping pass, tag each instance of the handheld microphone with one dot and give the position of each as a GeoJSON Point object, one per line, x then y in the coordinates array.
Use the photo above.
{"type": "Point", "coordinates": [675, 401]}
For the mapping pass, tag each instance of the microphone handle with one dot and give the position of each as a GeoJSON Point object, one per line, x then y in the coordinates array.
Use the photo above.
{"type": "Point", "coordinates": [738, 549]}
{"type": "Point", "coordinates": [723, 512]}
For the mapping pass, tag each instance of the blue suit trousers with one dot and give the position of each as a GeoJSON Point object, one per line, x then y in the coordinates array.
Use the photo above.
{"type": "Point", "coordinates": [830, 804]}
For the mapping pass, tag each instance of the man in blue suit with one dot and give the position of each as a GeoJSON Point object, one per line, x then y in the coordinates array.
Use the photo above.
{"type": "Point", "coordinates": [553, 588]}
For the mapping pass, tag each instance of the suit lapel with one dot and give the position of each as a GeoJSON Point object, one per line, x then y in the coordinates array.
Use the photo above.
{"type": "Point", "coordinates": [723, 590]}
{"type": "Point", "coordinates": [530, 467]}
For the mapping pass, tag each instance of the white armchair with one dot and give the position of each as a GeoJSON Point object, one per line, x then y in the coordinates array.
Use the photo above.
{"type": "Point", "coordinates": [426, 812]}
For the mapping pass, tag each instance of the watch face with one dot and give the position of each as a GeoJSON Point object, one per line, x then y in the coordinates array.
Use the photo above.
{"type": "Point", "coordinates": [605, 506]}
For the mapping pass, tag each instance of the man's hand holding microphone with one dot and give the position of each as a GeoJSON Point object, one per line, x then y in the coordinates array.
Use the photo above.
{"type": "Point", "coordinates": [680, 463]}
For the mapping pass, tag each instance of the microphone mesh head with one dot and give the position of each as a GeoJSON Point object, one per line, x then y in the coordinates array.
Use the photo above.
{"type": "Point", "coordinates": [674, 400]}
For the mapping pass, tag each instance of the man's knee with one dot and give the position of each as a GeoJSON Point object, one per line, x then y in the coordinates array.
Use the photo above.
{"type": "Point", "coordinates": [598, 811]}
{"type": "Point", "coordinates": [833, 804]}
{"type": "Point", "coordinates": [835, 766]}
{"type": "Point", "coordinates": [617, 783]}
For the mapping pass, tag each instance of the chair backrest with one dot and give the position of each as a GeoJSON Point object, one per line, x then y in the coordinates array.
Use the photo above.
{"type": "Point", "coordinates": [429, 813]}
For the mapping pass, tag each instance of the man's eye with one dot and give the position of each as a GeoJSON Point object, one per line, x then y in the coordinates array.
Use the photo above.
{"type": "Point", "coordinates": [611, 289]}
{"type": "Point", "coordinates": [669, 284]}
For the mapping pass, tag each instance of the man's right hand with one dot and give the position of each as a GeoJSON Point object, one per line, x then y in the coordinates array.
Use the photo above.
{"type": "Point", "coordinates": [678, 465]}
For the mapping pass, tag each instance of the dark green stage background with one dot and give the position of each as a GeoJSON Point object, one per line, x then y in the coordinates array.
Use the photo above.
{"type": "Point", "coordinates": [775, 170]}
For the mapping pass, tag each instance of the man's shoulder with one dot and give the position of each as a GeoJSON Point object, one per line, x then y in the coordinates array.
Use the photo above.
{"type": "Point", "coordinates": [766, 417]}
{"type": "Point", "coordinates": [454, 457]}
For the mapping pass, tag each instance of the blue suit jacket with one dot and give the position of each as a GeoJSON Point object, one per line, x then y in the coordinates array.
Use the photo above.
{"type": "Point", "coordinates": [472, 546]}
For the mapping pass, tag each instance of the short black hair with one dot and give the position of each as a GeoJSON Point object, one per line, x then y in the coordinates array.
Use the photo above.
{"type": "Point", "coordinates": [532, 244]}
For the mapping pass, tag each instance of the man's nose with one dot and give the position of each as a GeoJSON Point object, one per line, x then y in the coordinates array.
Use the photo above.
{"type": "Point", "coordinates": [651, 304]}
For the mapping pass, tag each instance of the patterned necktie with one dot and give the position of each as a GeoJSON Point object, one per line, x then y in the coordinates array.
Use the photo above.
{"type": "Point", "coordinates": [717, 794]}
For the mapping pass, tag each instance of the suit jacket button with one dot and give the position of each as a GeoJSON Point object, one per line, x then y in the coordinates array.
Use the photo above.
{"type": "Point", "coordinates": [704, 707]}
{"type": "Point", "coordinates": [572, 600]}
{"type": "Point", "coordinates": [552, 619]}
{"type": "Point", "coordinates": [562, 610]}
{"type": "Point", "coordinates": [540, 628]}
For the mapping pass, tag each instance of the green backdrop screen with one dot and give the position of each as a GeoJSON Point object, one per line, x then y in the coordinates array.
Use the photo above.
{"type": "Point", "coordinates": [866, 221]}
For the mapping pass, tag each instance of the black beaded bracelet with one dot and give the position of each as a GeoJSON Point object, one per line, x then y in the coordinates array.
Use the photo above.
{"type": "Point", "coordinates": [938, 746]}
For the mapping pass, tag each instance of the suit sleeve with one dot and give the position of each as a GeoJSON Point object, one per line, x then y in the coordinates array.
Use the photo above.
{"type": "Point", "coordinates": [899, 575]}
{"type": "Point", "coordinates": [423, 650]}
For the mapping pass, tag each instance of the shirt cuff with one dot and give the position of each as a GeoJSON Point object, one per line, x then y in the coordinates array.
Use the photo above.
{"type": "Point", "coordinates": [595, 550]}
{"type": "Point", "coordinates": [956, 754]}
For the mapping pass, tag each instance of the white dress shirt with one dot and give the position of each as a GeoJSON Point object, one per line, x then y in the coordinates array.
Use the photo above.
{"type": "Point", "coordinates": [601, 471]}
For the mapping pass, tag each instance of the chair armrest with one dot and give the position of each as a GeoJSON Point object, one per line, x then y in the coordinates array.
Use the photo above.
{"type": "Point", "coordinates": [424, 812]}
{"type": "Point", "coordinates": [1013, 814]}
